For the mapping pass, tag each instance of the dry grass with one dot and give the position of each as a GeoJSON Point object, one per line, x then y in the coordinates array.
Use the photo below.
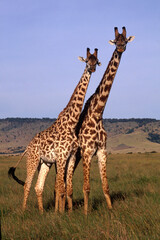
{"type": "Point", "coordinates": [134, 181]}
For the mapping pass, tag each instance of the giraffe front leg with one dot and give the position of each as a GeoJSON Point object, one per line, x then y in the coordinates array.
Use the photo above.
{"type": "Point", "coordinates": [55, 183]}
{"type": "Point", "coordinates": [59, 204]}
{"type": "Point", "coordinates": [44, 169]}
{"type": "Point", "coordinates": [61, 196]}
{"type": "Point", "coordinates": [60, 190]}
{"type": "Point", "coordinates": [102, 160]}
{"type": "Point", "coordinates": [56, 197]}
{"type": "Point", "coordinates": [86, 175]}
{"type": "Point", "coordinates": [70, 171]}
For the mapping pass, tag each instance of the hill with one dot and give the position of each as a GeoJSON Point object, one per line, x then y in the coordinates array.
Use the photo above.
{"type": "Point", "coordinates": [124, 135]}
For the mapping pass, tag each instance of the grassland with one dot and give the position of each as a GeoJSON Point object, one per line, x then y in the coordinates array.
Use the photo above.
{"type": "Point", "coordinates": [134, 181]}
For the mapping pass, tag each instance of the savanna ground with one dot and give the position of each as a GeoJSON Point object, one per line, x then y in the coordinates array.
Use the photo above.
{"type": "Point", "coordinates": [134, 181]}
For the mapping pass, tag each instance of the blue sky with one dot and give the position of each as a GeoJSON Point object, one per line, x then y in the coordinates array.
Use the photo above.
{"type": "Point", "coordinates": [39, 47]}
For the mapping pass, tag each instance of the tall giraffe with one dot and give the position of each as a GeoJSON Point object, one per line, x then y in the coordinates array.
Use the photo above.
{"type": "Point", "coordinates": [57, 143]}
{"type": "Point", "coordinates": [90, 131]}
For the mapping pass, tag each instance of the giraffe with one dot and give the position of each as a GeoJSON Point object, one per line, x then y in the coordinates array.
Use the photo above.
{"type": "Point", "coordinates": [57, 143]}
{"type": "Point", "coordinates": [90, 131]}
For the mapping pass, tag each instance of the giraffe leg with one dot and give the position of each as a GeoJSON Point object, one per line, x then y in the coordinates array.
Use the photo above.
{"type": "Point", "coordinates": [70, 171]}
{"type": "Point", "coordinates": [56, 195]}
{"type": "Point", "coordinates": [27, 186]}
{"type": "Point", "coordinates": [102, 159]}
{"type": "Point", "coordinates": [43, 171]}
{"type": "Point", "coordinates": [55, 189]}
{"type": "Point", "coordinates": [86, 175]}
{"type": "Point", "coordinates": [60, 198]}
{"type": "Point", "coordinates": [31, 169]}
{"type": "Point", "coordinates": [60, 189]}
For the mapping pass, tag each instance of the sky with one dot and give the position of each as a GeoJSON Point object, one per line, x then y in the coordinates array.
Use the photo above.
{"type": "Point", "coordinates": [39, 47]}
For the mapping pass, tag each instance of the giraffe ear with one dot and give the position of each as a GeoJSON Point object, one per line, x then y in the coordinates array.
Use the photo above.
{"type": "Point", "coordinates": [82, 59]}
{"type": "Point", "coordinates": [130, 39]}
{"type": "Point", "coordinates": [99, 63]}
{"type": "Point", "coordinates": [112, 42]}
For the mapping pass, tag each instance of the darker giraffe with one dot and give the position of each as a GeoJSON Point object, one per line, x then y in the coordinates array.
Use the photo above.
{"type": "Point", "coordinates": [90, 131]}
{"type": "Point", "coordinates": [57, 143]}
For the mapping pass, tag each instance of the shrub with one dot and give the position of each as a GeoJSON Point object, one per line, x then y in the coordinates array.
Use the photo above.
{"type": "Point", "coordinates": [154, 137]}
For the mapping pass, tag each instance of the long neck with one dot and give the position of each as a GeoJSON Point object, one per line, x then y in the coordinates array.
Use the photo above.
{"type": "Point", "coordinates": [74, 106]}
{"type": "Point", "coordinates": [101, 94]}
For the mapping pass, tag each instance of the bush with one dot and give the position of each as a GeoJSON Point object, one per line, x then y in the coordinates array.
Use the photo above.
{"type": "Point", "coordinates": [154, 137]}
{"type": "Point", "coordinates": [130, 131]}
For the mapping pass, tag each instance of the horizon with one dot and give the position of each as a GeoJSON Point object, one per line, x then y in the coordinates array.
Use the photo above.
{"type": "Point", "coordinates": [48, 118]}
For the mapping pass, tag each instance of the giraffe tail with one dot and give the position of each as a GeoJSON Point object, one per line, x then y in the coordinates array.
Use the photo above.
{"type": "Point", "coordinates": [11, 172]}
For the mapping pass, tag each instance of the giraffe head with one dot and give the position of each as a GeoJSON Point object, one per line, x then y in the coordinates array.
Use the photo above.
{"type": "Point", "coordinates": [91, 60]}
{"type": "Point", "coordinates": [121, 40]}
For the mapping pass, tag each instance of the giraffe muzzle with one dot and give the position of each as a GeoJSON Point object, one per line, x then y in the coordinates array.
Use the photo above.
{"type": "Point", "coordinates": [92, 68]}
{"type": "Point", "coordinates": [121, 49]}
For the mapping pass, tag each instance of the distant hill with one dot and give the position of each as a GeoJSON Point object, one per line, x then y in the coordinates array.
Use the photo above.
{"type": "Point", "coordinates": [124, 135]}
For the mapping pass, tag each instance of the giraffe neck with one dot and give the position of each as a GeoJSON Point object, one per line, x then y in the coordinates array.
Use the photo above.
{"type": "Point", "coordinates": [74, 107]}
{"type": "Point", "coordinates": [102, 92]}
{"type": "Point", "coordinates": [94, 106]}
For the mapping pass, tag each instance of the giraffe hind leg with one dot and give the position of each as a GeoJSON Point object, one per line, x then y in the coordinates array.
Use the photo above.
{"type": "Point", "coordinates": [32, 164]}
{"type": "Point", "coordinates": [43, 171]}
